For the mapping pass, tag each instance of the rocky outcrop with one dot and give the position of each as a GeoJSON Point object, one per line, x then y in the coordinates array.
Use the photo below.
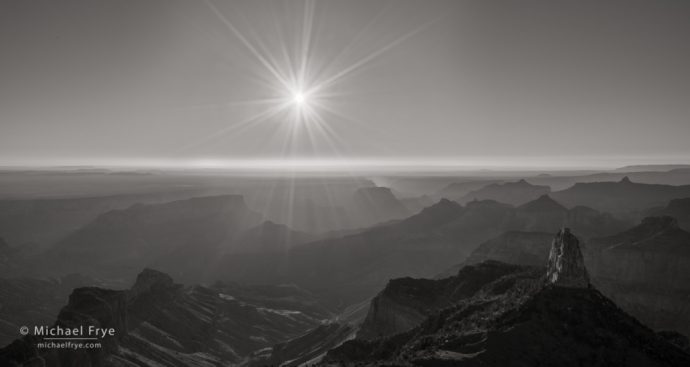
{"type": "Point", "coordinates": [100, 308]}
{"type": "Point", "coordinates": [643, 269]}
{"type": "Point", "coordinates": [520, 321]}
{"type": "Point", "coordinates": [29, 301]}
{"type": "Point", "coordinates": [148, 281]}
{"type": "Point", "coordinates": [406, 302]}
{"type": "Point", "coordinates": [566, 266]}
{"type": "Point", "coordinates": [495, 320]}
{"type": "Point", "coordinates": [158, 322]}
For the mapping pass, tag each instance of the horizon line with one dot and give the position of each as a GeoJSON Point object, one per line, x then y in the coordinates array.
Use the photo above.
{"type": "Point", "coordinates": [355, 165]}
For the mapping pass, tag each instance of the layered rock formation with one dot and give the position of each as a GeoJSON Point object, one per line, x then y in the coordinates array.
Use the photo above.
{"type": "Point", "coordinates": [306, 349]}
{"type": "Point", "coordinates": [158, 322]}
{"type": "Point", "coordinates": [28, 301]}
{"type": "Point", "coordinates": [407, 302]}
{"type": "Point", "coordinates": [656, 253]}
{"type": "Point", "coordinates": [646, 270]}
{"type": "Point", "coordinates": [514, 193]}
{"type": "Point", "coordinates": [620, 197]}
{"type": "Point", "coordinates": [355, 267]}
{"type": "Point", "coordinates": [566, 266]}
{"type": "Point", "coordinates": [678, 209]}
{"type": "Point", "coordinates": [517, 319]}
{"type": "Point", "coordinates": [643, 269]}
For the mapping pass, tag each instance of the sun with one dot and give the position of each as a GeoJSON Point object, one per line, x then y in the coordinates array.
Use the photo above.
{"type": "Point", "coordinates": [301, 87]}
{"type": "Point", "coordinates": [299, 99]}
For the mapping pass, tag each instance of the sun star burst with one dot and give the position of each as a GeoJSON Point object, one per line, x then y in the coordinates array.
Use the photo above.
{"type": "Point", "coordinates": [298, 91]}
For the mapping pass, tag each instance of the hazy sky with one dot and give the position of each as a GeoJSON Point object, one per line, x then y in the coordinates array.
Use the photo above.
{"type": "Point", "coordinates": [572, 82]}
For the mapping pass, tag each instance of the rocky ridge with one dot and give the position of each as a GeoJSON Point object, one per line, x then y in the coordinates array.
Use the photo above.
{"type": "Point", "coordinates": [159, 322]}
{"type": "Point", "coordinates": [522, 318]}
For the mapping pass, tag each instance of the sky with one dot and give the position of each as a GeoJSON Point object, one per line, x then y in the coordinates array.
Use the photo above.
{"type": "Point", "coordinates": [482, 83]}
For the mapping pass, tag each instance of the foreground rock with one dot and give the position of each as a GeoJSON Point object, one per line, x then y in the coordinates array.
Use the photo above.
{"type": "Point", "coordinates": [306, 349]}
{"type": "Point", "coordinates": [645, 270]}
{"type": "Point", "coordinates": [158, 322]}
{"type": "Point", "coordinates": [30, 301]}
{"type": "Point", "coordinates": [406, 302]}
{"type": "Point", "coordinates": [516, 317]}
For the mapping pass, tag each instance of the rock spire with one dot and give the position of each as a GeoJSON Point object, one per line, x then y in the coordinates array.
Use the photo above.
{"type": "Point", "coordinates": [566, 266]}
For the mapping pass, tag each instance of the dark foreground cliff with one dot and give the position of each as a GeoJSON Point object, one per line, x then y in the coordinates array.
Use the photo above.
{"type": "Point", "coordinates": [160, 323]}
{"type": "Point", "coordinates": [514, 319]}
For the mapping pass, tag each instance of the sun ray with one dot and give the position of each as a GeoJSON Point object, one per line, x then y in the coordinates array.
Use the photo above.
{"type": "Point", "coordinates": [247, 44]}
{"type": "Point", "coordinates": [301, 97]}
{"type": "Point", "coordinates": [353, 67]}
{"type": "Point", "coordinates": [307, 25]}
{"type": "Point", "coordinates": [355, 40]}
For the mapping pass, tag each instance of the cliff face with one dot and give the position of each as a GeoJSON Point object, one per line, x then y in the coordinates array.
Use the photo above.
{"type": "Point", "coordinates": [28, 301]}
{"type": "Point", "coordinates": [654, 253]}
{"type": "Point", "coordinates": [566, 266]}
{"type": "Point", "coordinates": [555, 319]}
{"type": "Point", "coordinates": [646, 270]}
{"type": "Point", "coordinates": [90, 306]}
{"type": "Point", "coordinates": [158, 322]}
{"type": "Point", "coordinates": [406, 302]}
